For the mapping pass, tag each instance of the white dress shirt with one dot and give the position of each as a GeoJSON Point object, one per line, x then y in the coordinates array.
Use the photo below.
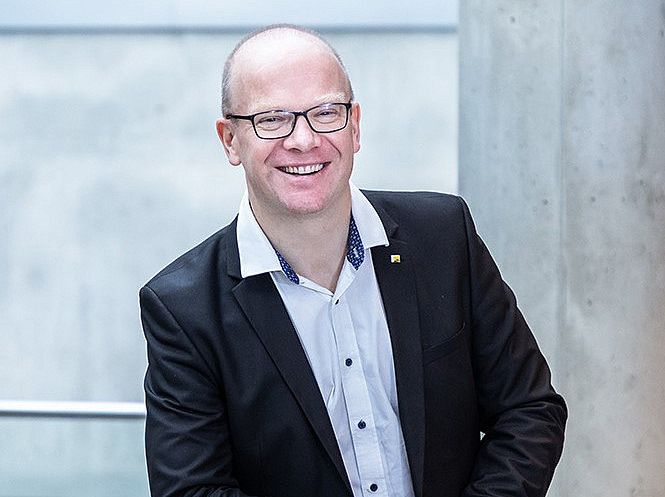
{"type": "Point", "coordinates": [346, 340]}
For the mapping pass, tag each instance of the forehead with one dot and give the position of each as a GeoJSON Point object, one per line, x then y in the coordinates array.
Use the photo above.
{"type": "Point", "coordinates": [284, 71]}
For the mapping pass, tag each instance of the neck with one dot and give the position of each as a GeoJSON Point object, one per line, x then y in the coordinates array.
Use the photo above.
{"type": "Point", "coordinates": [313, 244]}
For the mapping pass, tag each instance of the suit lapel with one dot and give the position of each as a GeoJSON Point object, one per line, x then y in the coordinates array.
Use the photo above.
{"type": "Point", "coordinates": [398, 291]}
{"type": "Point", "coordinates": [261, 303]}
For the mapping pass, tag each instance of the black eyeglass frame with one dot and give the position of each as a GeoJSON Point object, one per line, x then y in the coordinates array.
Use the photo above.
{"type": "Point", "coordinates": [295, 114]}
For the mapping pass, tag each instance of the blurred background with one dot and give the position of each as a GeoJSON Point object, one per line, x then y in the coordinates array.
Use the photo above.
{"type": "Point", "coordinates": [110, 167]}
{"type": "Point", "coordinates": [548, 117]}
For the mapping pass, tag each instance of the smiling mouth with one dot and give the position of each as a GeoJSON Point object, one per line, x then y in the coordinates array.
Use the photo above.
{"type": "Point", "coordinates": [303, 170]}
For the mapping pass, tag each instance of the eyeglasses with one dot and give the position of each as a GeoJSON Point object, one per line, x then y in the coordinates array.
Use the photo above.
{"type": "Point", "coordinates": [274, 124]}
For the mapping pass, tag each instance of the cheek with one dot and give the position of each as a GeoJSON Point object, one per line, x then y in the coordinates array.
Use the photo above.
{"type": "Point", "coordinates": [351, 141]}
{"type": "Point", "coordinates": [352, 144]}
{"type": "Point", "coordinates": [256, 152]}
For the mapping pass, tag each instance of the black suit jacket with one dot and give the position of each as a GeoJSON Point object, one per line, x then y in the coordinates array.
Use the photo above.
{"type": "Point", "coordinates": [234, 409]}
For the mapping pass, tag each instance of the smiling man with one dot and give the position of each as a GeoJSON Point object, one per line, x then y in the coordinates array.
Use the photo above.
{"type": "Point", "coordinates": [331, 341]}
{"type": "Point", "coordinates": [297, 178]}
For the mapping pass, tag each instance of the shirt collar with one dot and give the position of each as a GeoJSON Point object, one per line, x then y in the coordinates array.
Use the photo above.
{"type": "Point", "coordinates": [255, 250]}
{"type": "Point", "coordinates": [257, 254]}
{"type": "Point", "coordinates": [367, 220]}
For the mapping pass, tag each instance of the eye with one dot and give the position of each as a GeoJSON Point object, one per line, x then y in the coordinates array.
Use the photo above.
{"type": "Point", "coordinates": [271, 120]}
{"type": "Point", "coordinates": [325, 113]}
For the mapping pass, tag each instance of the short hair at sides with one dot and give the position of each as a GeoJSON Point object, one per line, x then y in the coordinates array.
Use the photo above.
{"type": "Point", "coordinates": [228, 65]}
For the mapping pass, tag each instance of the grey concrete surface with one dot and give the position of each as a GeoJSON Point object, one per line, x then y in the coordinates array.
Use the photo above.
{"type": "Point", "coordinates": [562, 159]}
{"type": "Point", "coordinates": [110, 168]}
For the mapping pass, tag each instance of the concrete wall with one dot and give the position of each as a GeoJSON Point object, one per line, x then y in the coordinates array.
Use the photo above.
{"type": "Point", "coordinates": [109, 168]}
{"type": "Point", "coordinates": [562, 159]}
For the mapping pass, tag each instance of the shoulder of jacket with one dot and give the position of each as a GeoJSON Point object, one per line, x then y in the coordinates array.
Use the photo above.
{"type": "Point", "coordinates": [418, 201]}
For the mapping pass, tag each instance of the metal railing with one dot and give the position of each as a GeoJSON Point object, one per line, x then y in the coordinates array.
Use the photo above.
{"type": "Point", "coordinates": [71, 409]}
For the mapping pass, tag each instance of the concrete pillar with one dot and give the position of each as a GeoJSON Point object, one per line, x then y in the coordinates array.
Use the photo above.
{"type": "Point", "coordinates": [562, 160]}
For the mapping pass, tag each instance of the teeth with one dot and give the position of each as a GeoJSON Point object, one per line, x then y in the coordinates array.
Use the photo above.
{"type": "Point", "coordinates": [303, 169]}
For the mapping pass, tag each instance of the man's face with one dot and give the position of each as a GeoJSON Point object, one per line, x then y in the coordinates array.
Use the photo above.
{"type": "Point", "coordinates": [306, 172]}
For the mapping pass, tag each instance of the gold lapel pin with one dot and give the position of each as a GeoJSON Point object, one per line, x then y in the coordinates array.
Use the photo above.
{"type": "Point", "coordinates": [395, 258]}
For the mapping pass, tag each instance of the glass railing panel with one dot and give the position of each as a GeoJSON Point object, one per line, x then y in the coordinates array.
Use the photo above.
{"type": "Point", "coordinates": [64, 456]}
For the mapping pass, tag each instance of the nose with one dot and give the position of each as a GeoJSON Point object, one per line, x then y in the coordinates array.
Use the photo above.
{"type": "Point", "coordinates": [303, 137]}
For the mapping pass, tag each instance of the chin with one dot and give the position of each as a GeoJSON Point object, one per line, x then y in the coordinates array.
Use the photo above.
{"type": "Point", "coordinates": [307, 206]}
{"type": "Point", "coordinates": [304, 210]}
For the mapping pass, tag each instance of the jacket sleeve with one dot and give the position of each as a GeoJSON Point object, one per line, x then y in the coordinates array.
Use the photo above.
{"type": "Point", "coordinates": [522, 418]}
{"type": "Point", "coordinates": [188, 448]}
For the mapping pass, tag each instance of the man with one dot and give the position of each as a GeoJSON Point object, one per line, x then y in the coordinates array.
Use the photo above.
{"type": "Point", "coordinates": [331, 342]}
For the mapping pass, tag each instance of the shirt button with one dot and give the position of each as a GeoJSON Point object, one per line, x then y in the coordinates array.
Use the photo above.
{"type": "Point", "coordinates": [348, 362]}
{"type": "Point", "coordinates": [373, 487]}
{"type": "Point", "coordinates": [362, 424]}
{"type": "Point", "coordinates": [336, 301]}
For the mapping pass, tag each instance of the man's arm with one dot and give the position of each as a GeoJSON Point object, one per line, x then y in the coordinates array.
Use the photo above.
{"type": "Point", "coordinates": [187, 438]}
{"type": "Point", "coordinates": [521, 415]}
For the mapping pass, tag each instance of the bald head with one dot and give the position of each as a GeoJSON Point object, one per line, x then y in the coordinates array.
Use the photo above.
{"type": "Point", "coordinates": [270, 44]}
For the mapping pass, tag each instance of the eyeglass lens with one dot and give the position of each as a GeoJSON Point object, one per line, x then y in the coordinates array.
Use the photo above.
{"type": "Point", "coordinates": [324, 118]}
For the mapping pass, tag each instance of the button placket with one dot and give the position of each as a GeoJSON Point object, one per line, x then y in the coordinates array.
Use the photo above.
{"type": "Point", "coordinates": [358, 404]}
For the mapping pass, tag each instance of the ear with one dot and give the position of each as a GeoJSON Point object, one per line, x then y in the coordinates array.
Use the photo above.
{"type": "Point", "coordinates": [227, 135]}
{"type": "Point", "coordinates": [355, 126]}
